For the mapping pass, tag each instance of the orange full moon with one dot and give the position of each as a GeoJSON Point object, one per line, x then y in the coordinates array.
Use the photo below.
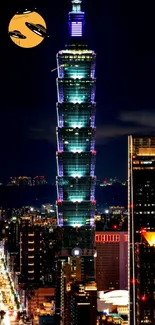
{"type": "Point", "coordinates": [27, 30]}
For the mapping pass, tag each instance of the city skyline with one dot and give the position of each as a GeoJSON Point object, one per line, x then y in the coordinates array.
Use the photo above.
{"type": "Point", "coordinates": [97, 257]}
{"type": "Point", "coordinates": [125, 96]}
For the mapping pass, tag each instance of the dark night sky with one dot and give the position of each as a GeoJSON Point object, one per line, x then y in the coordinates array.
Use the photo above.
{"type": "Point", "coordinates": [122, 33]}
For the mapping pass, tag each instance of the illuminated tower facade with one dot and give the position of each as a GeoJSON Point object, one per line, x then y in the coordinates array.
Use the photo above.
{"type": "Point", "coordinates": [141, 220]}
{"type": "Point", "coordinates": [76, 142]}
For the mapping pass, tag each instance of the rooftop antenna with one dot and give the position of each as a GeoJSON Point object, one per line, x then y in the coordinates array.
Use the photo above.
{"type": "Point", "coordinates": [76, 19]}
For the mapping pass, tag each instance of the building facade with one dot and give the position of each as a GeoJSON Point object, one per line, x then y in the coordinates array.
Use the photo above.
{"type": "Point", "coordinates": [30, 251]}
{"type": "Point", "coordinates": [81, 307]}
{"type": "Point", "coordinates": [76, 143]}
{"type": "Point", "coordinates": [76, 179]}
{"type": "Point", "coordinates": [145, 271]}
{"type": "Point", "coordinates": [141, 211]}
{"type": "Point", "coordinates": [111, 262]}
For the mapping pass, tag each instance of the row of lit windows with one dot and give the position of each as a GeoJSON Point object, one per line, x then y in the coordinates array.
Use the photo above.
{"type": "Point", "coordinates": [75, 166]}
{"type": "Point", "coordinates": [72, 136]}
{"type": "Point", "coordinates": [73, 215]}
{"type": "Point", "coordinates": [142, 189]}
{"type": "Point", "coordinates": [144, 194]}
{"type": "Point", "coordinates": [143, 162]}
{"type": "Point", "coordinates": [72, 162]}
{"type": "Point", "coordinates": [143, 168]}
{"type": "Point", "coordinates": [84, 130]}
{"type": "Point", "coordinates": [80, 72]}
{"type": "Point", "coordinates": [81, 172]}
{"type": "Point", "coordinates": [72, 212]}
{"type": "Point", "coordinates": [76, 186]}
{"type": "Point", "coordinates": [84, 75]}
{"type": "Point", "coordinates": [77, 57]}
{"type": "Point", "coordinates": [69, 106]}
{"type": "Point", "coordinates": [76, 141]}
{"type": "Point", "coordinates": [76, 113]}
{"type": "Point", "coordinates": [73, 181]}
{"type": "Point", "coordinates": [81, 82]}
{"type": "Point", "coordinates": [68, 157]}
{"type": "Point", "coordinates": [144, 212]}
{"type": "Point", "coordinates": [80, 120]}
{"type": "Point", "coordinates": [80, 68]}
{"type": "Point", "coordinates": [82, 157]}
{"type": "Point", "coordinates": [145, 205]}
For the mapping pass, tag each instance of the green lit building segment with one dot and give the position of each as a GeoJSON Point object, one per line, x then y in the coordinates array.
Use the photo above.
{"type": "Point", "coordinates": [76, 109]}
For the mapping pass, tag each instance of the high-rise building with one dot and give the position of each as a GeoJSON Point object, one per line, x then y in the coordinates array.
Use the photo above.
{"type": "Point", "coordinates": [141, 210]}
{"type": "Point", "coordinates": [145, 270]}
{"type": "Point", "coordinates": [12, 232]}
{"type": "Point", "coordinates": [81, 303]}
{"type": "Point", "coordinates": [76, 302]}
{"type": "Point", "coordinates": [111, 262]}
{"type": "Point", "coordinates": [30, 251]}
{"type": "Point", "coordinates": [76, 145]}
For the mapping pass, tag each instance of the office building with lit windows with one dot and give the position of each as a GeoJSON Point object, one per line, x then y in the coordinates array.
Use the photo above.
{"type": "Point", "coordinates": [141, 218]}
{"type": "Point", "coordinates": [81, 304]}
{"type": "Point", "coordinates": [111, 262]}
{"type": "Point", "coordinates": [30, 251]}
{"type": "Point", "coordinates": [145, 270]}
{"type": "Point", "coordinates": [76, 144]}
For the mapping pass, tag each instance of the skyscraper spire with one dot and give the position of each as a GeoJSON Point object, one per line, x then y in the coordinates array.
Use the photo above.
{"type": "Point", "coordinates": [76, 19]}
{"type": "Point", "coordinates": [76, 5]}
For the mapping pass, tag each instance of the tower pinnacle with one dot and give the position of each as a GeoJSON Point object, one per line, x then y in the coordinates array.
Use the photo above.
{"type": "Point", "coordinates": [76, 5]}
{"type": "Point", "coordinates": [76, 1]}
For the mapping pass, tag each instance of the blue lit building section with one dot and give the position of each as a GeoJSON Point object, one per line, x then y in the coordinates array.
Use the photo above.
{"type": "Point", "coordinates": [76, 19]}
{"type": "Point", "coordinates": [76, 108]}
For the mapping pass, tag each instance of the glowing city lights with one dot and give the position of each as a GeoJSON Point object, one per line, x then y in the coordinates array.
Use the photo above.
{"type": "Point", "coordinates": [7, 295]}
{"type": "Point", "coordinates": [149, 237]}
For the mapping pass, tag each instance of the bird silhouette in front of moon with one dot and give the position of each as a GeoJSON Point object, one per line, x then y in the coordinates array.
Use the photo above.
{"type": "Point", "coordinates": [27, 28]}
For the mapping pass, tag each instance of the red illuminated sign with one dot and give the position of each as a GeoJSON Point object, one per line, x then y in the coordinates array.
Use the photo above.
{"type": "Point", "coordinates": [125, 237]}
{"type": "Point", "coordinates": [107, 238]}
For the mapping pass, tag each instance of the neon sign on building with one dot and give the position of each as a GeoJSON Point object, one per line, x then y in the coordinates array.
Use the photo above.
{"type": "Point", "coordinates": [107, 238]}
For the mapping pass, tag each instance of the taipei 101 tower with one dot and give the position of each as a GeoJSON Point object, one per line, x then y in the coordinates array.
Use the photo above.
{"type": "Point", "coordinates": [76, 153]}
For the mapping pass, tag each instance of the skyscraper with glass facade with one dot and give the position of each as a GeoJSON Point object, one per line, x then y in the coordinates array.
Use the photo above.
{"type": "Point", "coordinates": [141, 229]}
{"type": "Point", "coordinates": [76, 142]}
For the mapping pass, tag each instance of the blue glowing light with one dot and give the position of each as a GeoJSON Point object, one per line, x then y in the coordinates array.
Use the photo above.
{"type": "Point", "coordinates": [76, 29]}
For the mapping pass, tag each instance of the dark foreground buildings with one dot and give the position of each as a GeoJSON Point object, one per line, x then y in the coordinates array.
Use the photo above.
{"type": "Point", "coordinates": [141, 225]}
{"type": "Point", "coordinates": [76, 155]}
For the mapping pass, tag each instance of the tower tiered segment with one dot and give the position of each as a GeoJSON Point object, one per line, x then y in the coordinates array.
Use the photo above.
{"type": "Point", "coordinates": [76, 109]}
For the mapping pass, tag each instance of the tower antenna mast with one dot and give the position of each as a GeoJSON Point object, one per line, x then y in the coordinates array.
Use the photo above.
{"type": "Point", "coordinates": [76, 5]}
